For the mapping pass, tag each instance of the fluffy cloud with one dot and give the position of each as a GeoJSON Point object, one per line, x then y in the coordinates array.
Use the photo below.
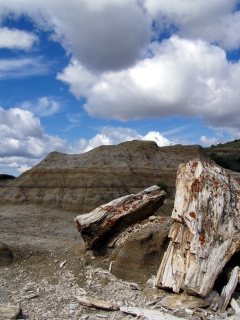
{"type": "Point", "coordinates": [111, 34]}
{"type": "Point", "coordinates": [23, 137]}
{"type": "Point", "coordinates": [182, 77]}
{"type": "Point", "coordinates": [16, 165]}
{"type": "Point", "coordinates": [103, 35]}
{"type": "Point", "coordinates": [16, 39]}
{"type": "Point", "coordinates": [18, 124]}
{"type": "Point", "coordinates": [209, 141]}
{"type": "Point", "coordinates": [114, 136]}
{"type": "Point", "coordinates": [213, 21]}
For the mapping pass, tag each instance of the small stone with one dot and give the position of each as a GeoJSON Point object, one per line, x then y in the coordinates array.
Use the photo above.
{"type": "Point", "coordinates": [62, 263]}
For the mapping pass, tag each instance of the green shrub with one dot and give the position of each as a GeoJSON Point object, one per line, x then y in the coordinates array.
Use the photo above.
{"type": "Point", "coordinates": [4, 176]}
{"type": "Point", "coordinates": [221, 161]}
{"type": "Point", "coordinates": [162, 185]}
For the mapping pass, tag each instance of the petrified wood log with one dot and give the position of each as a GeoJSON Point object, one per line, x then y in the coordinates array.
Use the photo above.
{"type": "Point", "coordinates": [118, 214]}
{"type": "Point", "coordinates": [205, 233]}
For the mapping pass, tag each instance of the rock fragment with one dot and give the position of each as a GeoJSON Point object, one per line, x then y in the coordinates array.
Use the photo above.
{"type": "Point", "coordinates": [9, 312]}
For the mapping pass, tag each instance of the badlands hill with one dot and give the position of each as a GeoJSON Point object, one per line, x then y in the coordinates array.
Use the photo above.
{"type": "Point", "coordinates": [227, 155]}
{"type": "Point", "coordinates": [81, 182]}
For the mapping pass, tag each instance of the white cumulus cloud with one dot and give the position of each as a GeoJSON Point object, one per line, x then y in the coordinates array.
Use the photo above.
{"type": "Point", "coordinates": [23, 137]}
{"type": "Point", "coordinates": [182, 77]}
{"type": "Point", "coordinates": [103, 35]}
{"type": "Point", "coordinates": [16, 39]}
{"type": "Point", "coordinates": [213, 21]}
{"type": "Point", "coordinates": [209, 141]}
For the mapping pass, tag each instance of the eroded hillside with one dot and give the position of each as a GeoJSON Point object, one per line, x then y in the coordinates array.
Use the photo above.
{"type": "Point", "coordinates": [81, 182]}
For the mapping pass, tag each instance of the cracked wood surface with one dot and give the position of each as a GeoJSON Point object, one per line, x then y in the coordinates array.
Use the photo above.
{"type": "Point", "coordinates": [118, 214]}
{"type": "Point", "coordinates": [205, 231]}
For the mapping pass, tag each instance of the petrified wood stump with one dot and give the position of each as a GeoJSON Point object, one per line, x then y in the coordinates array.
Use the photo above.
{"type": "Point", "coordinates": [98, 225]}
{"type": "Point", "coordinates": [205, 232]}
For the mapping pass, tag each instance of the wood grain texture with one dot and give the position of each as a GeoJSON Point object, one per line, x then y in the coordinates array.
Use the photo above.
{"type": "Point", "coordinates": [118, 214]}
{"type": "Point", "coordinates": [205, 232]}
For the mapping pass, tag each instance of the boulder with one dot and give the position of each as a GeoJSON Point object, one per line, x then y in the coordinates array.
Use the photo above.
{"type": "Point", "coordinates": [141, 249]}
{"type": "Point", "coordinates": [107, 220]}
{"type": "Point", "coordinates": [205, 232]}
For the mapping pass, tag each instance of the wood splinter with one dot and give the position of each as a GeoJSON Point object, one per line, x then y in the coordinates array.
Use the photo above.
{"type": "Point", "coordinates": [96, 303]}
{"type": "Point", "coordinates": [228, 290]}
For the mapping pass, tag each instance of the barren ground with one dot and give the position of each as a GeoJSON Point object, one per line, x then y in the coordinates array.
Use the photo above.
{"type": "Point", "coordinates": [50, 266]}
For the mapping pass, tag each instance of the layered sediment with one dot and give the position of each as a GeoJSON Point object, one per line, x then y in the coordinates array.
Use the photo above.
{"type": "Point", "coordinates": [82, 182]}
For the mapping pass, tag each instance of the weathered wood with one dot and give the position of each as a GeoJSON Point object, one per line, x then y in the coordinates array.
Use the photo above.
{"type": "Point", "coordinates": [118, 214]}
{"type": "Point", "coordinates": [182, 301]}
{"type": "Point", "coordinates": [205, 233]}
{"type": "Point", "coordinates": [228, 290]}
{"type": "Point", "coordinates": [235, 317]}
{"type": "Point", "coordinates": [149, 314]}
{"type": "Point", "coordinates": [96, 303]}
{"type": "Point", "coordinates": [235, 306]}
{"type": "Point", "coordinates": [9, 312]}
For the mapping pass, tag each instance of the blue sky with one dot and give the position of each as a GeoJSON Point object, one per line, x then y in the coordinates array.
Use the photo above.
{"type": "Point", "coordinates": [80, 73]}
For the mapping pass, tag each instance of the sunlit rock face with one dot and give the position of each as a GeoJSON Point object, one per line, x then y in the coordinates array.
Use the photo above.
{"type": "Point", "coordinates": [82, 182]}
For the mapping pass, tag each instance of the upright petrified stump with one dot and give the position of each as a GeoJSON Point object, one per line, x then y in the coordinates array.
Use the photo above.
{"type": "Point", "coordinates": [205, 232]}
{"type": "Point", "coordinates": [98, 225]}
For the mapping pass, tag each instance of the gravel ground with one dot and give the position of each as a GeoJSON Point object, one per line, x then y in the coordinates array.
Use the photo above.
{"type": "Point", "coordinates": [51, 266]}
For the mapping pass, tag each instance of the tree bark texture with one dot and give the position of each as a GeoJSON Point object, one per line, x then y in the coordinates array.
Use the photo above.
{"type": "Point", "coordinates": [205, 230]}
{"type": "Point", "coordinates": [115, 216]}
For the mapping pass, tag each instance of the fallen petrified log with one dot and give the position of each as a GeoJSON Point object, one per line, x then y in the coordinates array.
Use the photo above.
{"type": "Point", "coordinates": [118, 214]}
{"type": "Point", "coordinates": [205, 232]}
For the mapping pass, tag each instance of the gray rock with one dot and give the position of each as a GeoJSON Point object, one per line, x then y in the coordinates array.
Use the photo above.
{"type": "Point", "coordinates": [138, 259]}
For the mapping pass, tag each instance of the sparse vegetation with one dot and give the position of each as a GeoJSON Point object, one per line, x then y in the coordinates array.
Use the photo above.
{"type": "Point", "coordinates": [230, 144]}
{"type": "Point", "coordinates": [220, 160]}
{"type": "Point", "coordinates": [6, 177]}
{"type": "Point", "coordinates": [226, 155]}
{"type": "Point", "coordinates": [162, 185]}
